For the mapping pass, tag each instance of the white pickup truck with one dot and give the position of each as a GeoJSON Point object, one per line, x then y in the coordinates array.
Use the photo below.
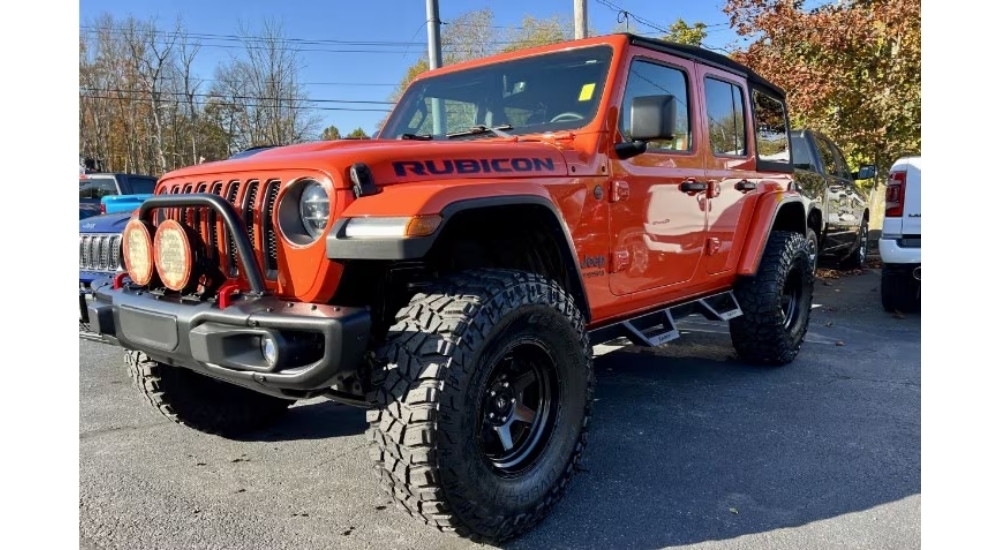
{"type": "Point", "coordinates": [899, 245]}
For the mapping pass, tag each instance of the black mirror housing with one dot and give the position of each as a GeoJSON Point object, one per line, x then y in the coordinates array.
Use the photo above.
{"type": "Point", "coordinates": [653, 117]}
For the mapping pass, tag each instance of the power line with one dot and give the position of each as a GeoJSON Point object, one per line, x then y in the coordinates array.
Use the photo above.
{"type": "Point", "coordinates": [218, 96]}
{"type": "Point", "coordinates": [257, 106]}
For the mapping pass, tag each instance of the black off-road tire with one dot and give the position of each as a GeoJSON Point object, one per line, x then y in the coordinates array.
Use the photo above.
{"type": "Point", "coordinates": [900, 289]}
{"type": "Point", "coordinates": [200, 402]}
{"type": "Point", "coordinates": [431, 390]}
{"type": "Point", "coordinates": [859, 253]}
{"type": "Point", "coordinates": [812, 242]}
{"type": "Point", "coordinates": [769, 332]}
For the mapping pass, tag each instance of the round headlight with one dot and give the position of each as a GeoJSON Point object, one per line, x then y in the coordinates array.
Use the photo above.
{"type": "Point", "coordinates": [172, 250]}
{"type": "Point", "coordinates": [137, 249]}
{"type": "Point", "coordinates": [314, 209]}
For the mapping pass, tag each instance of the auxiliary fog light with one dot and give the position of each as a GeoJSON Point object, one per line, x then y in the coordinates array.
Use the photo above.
{"type": "Point", "coordinates": [173, 254]}
{"type": "Point", "coordinates": [137, 251]}
{"type": "Point", "coordinates": [269, 349]}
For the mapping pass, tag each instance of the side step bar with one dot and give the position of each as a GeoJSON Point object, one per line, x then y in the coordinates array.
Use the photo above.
{"type": "Point", "coordinates": [659, 327]}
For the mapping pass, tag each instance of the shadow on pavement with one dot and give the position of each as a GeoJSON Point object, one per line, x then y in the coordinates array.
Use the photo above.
{"type": "Point", "coordinates": [319, 420]}
{"type": "Point", "coordinates": [685, 449]}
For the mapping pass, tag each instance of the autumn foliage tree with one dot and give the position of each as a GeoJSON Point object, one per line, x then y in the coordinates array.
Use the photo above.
{"type": "Point", "coordinates": [851, 69]}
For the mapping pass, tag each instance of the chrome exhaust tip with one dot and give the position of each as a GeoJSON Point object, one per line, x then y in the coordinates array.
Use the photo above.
{"type": "Point", "coordinates": [916, 273]}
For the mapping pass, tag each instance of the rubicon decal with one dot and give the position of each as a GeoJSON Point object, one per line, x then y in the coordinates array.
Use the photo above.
{"type": "Point", "coordinates": [473, 166]}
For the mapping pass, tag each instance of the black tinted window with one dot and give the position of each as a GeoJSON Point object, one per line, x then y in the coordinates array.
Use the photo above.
{"type": "Point", "coordinates": [95, 188]}
{"type": "Point", "coordinates": [644, 79]}
{"type": "Point", "coordinates": [801, 155]}
{"type": "Point", "coordinates": [726, 123]}
{"type": "Point", "coordinates": [770, 128]}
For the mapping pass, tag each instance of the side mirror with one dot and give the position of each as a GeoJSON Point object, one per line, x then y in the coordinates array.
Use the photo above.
{"type": "Point", "coordinates": [865, 172]}
{"type": "Point", "coordinates": [651, 117]}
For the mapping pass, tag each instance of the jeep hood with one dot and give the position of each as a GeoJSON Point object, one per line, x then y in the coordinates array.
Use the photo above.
{"type": "Point", "coordinates": [400, 161]}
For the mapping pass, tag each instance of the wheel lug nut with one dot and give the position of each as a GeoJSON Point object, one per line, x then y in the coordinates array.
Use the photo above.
{"type": "Point", "coordinates": [492, 415]}
{"type": "Point", "coordinates": [505, 384]}
{"type": "Point", "coordinates": [492, 393]}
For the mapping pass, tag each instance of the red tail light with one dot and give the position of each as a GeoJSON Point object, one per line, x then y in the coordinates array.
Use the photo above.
{"type": "Point", "coordinates": [895, 194]}
{"type": "Point", "coordinates": [104, 208]}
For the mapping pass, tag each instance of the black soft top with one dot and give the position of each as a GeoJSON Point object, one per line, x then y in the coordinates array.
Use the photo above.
{"type": "Point", "coordinates": [707, 57]}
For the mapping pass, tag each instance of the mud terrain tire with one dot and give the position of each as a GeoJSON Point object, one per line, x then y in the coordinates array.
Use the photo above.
{"type": "Point", "coordinates": [776, 303]}
{"type": "Point", "coordinates": [456, 360]}
{"type": "Point", "coordinates": [200, 402]}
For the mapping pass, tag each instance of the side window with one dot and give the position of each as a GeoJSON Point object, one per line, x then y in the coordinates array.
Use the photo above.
{"type": "Point", "coordinates": [86, 189]}
{"type": "Point", "coordinates": [727, 129]}
{"type": "Point", "coordinates": [771, 130]}
{"type": "Point", "coordinates": [827, 158]}
{"type": "Point", "coordinates": [104, 187]}
{"type": "Point", "coordinates": [801, 155]}
{"type": "Point", "coordinates": [843, 170]}
{"type": "Point", "coordinates": [645, 78]}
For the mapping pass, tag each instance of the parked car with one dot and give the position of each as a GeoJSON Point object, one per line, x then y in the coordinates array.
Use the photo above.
{"type": "Point", "coordinates": [899, 244]}
{"type": "Point", "coordinates": [111, 204]}
{"type": "Point", "coordinates": [100, 252]}
{"type": "Point", "coordinates": [453, 274]}
{"type": "Point", "coordinates": [839, 213]}
{"type": "Point", "coordinates": [95, 186]}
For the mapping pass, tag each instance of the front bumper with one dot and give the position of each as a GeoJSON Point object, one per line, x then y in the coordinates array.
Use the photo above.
{"type": "Point", "coordinates": [315, 343]}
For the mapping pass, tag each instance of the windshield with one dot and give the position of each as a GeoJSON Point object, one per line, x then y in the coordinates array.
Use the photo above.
{"type": "Point", "coordinates": [544, 93]}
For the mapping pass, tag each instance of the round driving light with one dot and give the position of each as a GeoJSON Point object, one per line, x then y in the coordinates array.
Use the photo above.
{"type": "Point", "coordinates": [172, 251]}
{"type": "Point", "coordinates": [314, 209]}
{"type": "Point", "coordinates": [137, 250]}
{"type": "Point", "coordinates": [269, 349]}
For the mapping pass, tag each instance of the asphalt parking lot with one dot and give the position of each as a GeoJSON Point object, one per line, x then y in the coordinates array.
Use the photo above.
{"type": "Point", "coordinates": [689, 448]}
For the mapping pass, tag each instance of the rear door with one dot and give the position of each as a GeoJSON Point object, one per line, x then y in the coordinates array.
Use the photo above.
{"type": "Point", "coordinates": [729, 167]}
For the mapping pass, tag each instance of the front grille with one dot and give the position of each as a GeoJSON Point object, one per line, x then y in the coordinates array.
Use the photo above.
{"type": "Point", "coordinates": [254, 206]}
{"type": "Point", "coordinates": [100, 251]}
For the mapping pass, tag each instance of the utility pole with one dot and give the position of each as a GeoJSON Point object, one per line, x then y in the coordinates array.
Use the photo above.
{"type": "Point", "coordinates": [580, 17]}
{"type": "Point", "coordinates": [434, 56]}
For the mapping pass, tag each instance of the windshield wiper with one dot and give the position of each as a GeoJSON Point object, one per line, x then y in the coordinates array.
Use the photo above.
{"type": "Point", "coordinates": [476, 130]}
{"type": "Point", "coordinates": [416, 136]}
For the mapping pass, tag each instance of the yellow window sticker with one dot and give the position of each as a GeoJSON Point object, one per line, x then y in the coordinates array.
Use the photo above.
{"type": "Point", "coordinates": [587, 91]}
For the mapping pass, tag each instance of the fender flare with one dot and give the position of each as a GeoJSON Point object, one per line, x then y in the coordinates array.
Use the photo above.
{"type": "Point", "coordinates": [340, 247]}
{"type": "Point", "coordinates": [768, 210]}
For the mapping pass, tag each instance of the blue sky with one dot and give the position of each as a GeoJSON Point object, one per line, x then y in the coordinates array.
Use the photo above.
{"type": "Point", "coordinates": [335, 73]}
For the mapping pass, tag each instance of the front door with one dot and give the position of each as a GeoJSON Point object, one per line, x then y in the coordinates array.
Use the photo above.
{"type": "Point", "coordinates": [658, 198]}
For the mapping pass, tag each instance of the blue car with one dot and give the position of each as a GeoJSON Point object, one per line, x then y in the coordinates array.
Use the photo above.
{"type": "Point", "coordinates": [101, 246]}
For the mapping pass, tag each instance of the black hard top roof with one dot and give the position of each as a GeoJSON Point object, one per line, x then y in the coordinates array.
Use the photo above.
{"type": "Point", "coordinates": [707, 57]}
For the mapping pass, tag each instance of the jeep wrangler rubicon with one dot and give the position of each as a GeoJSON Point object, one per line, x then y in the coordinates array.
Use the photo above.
{"type": "Point", "coordinates": [452, 274]}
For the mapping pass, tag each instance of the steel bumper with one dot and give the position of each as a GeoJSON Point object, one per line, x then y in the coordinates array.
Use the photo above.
{"type": "Point", "coordinates": [312, 343]}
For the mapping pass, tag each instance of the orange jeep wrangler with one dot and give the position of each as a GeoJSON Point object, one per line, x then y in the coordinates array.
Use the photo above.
{"type": "Point", "coordinates": [453, 273]}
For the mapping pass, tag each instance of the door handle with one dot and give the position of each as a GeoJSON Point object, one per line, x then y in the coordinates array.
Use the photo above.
{"type": "Point", "coordinates": [690, 186]}
{"type": "Point", "coordinates": [746, 185]}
